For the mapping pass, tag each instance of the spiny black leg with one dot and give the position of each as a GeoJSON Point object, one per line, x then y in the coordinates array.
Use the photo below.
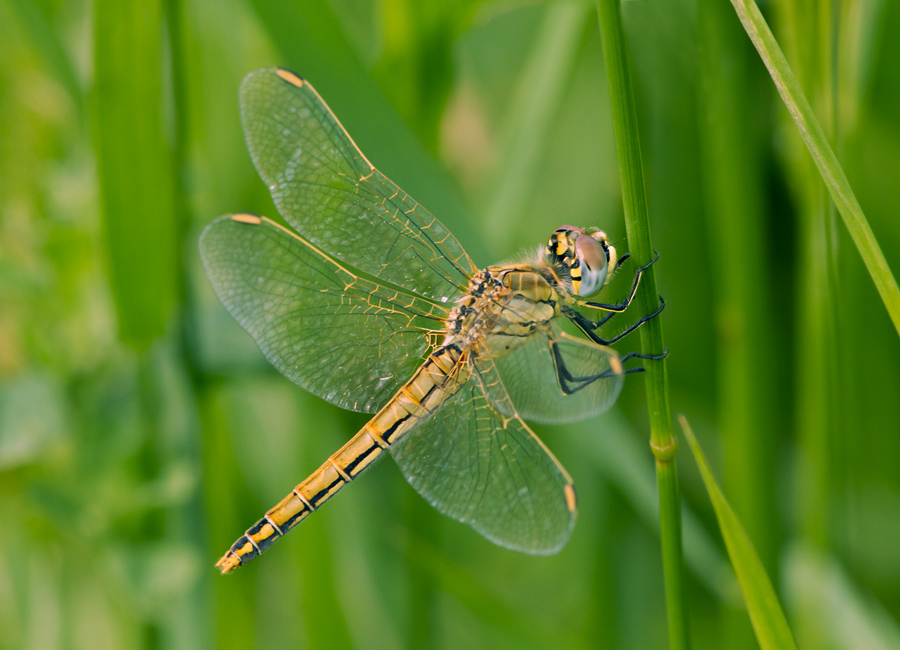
{"type": "Point", "coordinates": [564, 377]}
{"type": "Point", "coordinates": [638, 355]}
{"type": "Point", "coordinates": [662, 305]}
{"type": "Point", "coordinates": [603, 320]}
{"type": "Point", "coordinates": [583, 323]}
{"type": "Point", "coordinates": [588, 326]}
{"type": "Point", "coordinates": [622, 306]}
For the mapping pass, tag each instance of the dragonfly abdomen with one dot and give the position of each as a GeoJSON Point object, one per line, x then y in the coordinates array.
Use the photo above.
{"type": "Point", "coordinates": [429, 387]}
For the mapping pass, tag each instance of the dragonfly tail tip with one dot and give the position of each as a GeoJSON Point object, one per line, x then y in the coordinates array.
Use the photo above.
{"type": "Point", "coordinates": [228, 563]}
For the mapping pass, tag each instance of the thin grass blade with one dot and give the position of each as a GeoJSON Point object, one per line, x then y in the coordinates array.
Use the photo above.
{"type": "Point", "coordinates": [817, 143]}
{"type": "Point", "coordinates": [765, 611]}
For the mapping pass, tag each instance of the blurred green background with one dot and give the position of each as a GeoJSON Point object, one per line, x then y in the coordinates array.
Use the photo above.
{"type": "Point", "coordinates": [141, 431]}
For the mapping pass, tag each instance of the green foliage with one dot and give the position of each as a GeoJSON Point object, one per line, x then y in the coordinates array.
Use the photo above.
{"type": "Point", "coordinates": [817, 143]}
{"type": "Point", "coordinates": [141, 431]}
{"type": "Point", "coordinates": [763, 607]}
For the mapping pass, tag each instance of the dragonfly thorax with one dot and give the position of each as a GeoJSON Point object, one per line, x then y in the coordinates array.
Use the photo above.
{"type": "Point", "coordinates": [502, 307]}
{"type": "Point", "coordinates": [475, 311]}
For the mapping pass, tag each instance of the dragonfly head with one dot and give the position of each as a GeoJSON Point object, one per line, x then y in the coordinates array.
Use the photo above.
{"type": "Point", "coordinates": [586, 259]}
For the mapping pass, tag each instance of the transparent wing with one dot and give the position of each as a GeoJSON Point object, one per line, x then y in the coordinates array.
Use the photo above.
{"type": "Point", "coordinates": [347, 339]}
{"type": "Point", "coordinates": [326, 188]}
{"type": "Point", "coordinates": [555, 378]}
{"type": "Point", "coordinates": [489, 470]}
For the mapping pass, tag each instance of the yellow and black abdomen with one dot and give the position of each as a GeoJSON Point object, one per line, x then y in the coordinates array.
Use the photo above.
{"type": "Point", "coordinates": [436, 380]}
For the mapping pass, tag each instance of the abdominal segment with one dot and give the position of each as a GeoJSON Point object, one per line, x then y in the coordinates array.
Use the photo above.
{"type": "Point", "coordinates": [435, 381]}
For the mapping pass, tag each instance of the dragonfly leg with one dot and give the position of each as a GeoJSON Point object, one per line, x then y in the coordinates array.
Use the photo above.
{"type": "Point", "coordinates": [622, 306]}
{"type": "Point", "coordinates": [568, 383]}
{"type": "Point", "coordinates": [602, 321]}
{"type": "Point", "coordinates": [589, 326]}
{"type": "Point", "coordinates": [638, 355]}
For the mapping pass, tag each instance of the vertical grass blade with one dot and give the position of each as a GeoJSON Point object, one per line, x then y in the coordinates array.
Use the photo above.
{"type": "Point", "coordinates": [814, 137]}
{"type": "Point", "coordinates": [637, 225]}
{"type": "Point", "coordinates": [765, 611]}
{"type": "Point", "coordinates": [134, 165]}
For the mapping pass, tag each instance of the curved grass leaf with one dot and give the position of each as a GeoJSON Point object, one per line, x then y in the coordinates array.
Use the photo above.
{"type": "Point", "coordinates": [765, 611]}
{"type": "Point", "coordinates": [814, 137]}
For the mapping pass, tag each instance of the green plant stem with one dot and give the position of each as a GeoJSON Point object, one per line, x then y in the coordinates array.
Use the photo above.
{"type": "Point", "coordinates": [637, 225]}
{"type": "Point", "coordinates": [814, 137]}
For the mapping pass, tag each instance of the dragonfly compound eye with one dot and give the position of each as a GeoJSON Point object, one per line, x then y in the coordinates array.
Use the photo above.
{"type": "Point", "coordinates": [590, 269]}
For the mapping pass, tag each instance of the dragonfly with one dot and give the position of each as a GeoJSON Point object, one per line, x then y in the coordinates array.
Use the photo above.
{"type": "Point", "coordinates": [370, 303]}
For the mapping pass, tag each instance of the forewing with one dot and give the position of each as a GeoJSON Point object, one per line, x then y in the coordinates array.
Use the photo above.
{"type": "Point", "coordinates": [349, 340]}
{"type": "Point", "coordinates": [326, 189]}
{"type": "Point", "coordinates": [555, 378]}
{"type": "Point", "coordinates": [489, 470]}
